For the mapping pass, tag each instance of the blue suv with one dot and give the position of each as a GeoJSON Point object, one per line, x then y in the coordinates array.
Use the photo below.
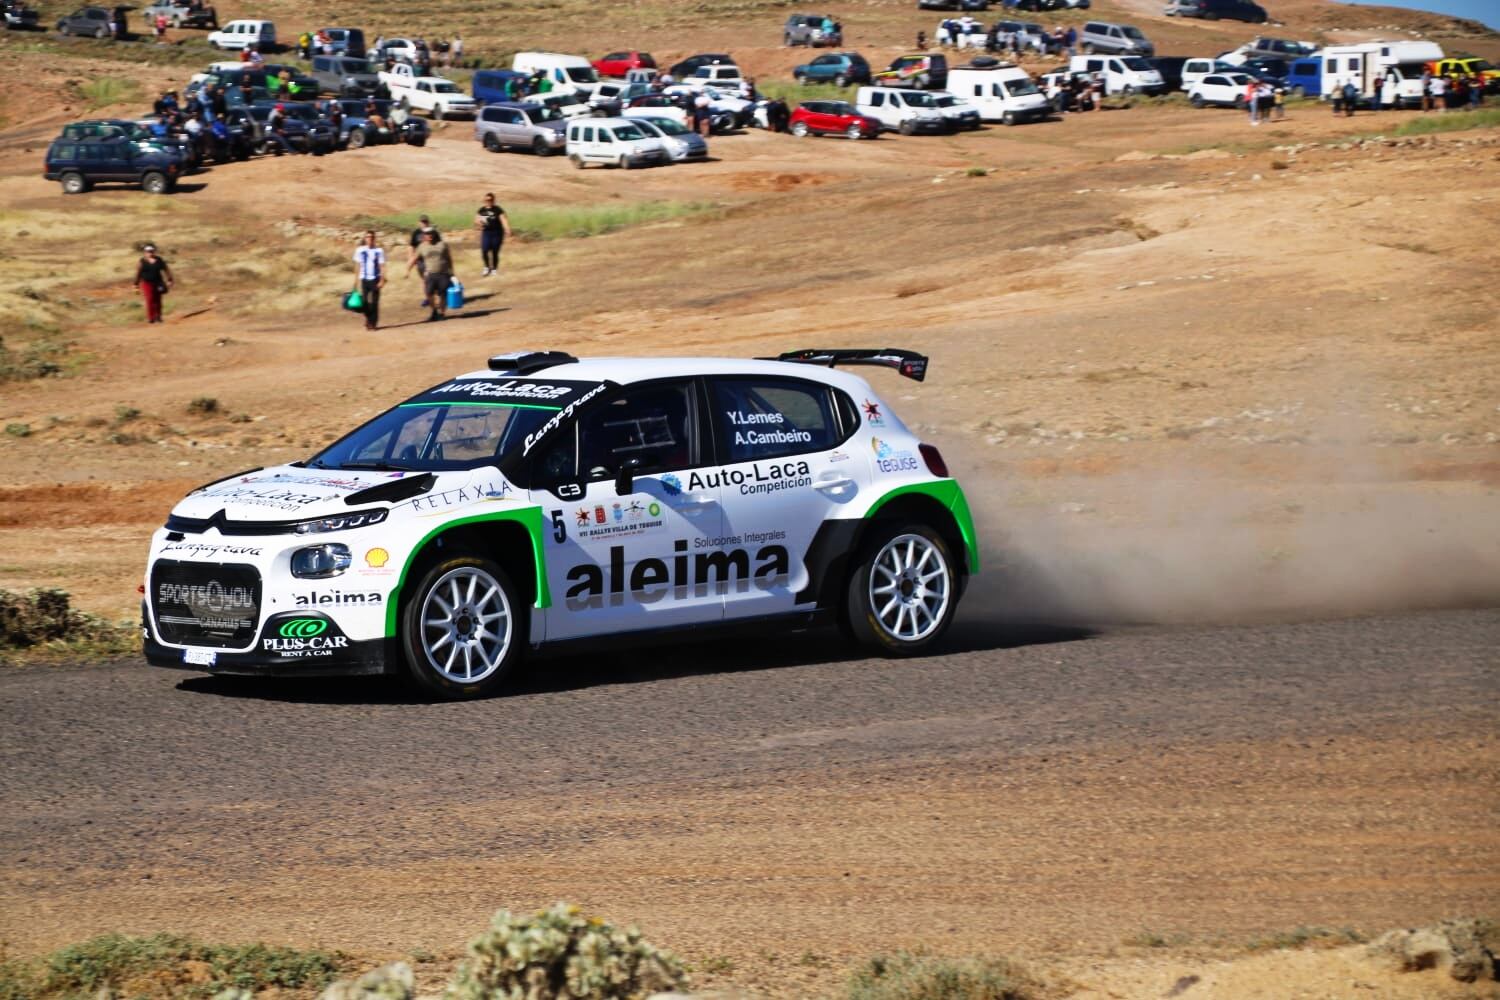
{"type": "Point", "coordinates": [838, 68]}
{"type": "Point", "coordinates": [79, 164]}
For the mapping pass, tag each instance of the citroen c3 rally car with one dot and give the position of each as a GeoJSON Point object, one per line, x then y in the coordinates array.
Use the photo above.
{"type": "Point", "coordinates": [547, 501]}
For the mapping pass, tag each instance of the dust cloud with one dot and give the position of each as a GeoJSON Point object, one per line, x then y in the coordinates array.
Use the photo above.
{"type": "Point", "coordinates": [1198, 549]}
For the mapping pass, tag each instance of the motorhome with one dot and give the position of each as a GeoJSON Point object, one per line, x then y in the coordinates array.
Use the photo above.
{"type": "Point", "coordinates": [1398, 65]}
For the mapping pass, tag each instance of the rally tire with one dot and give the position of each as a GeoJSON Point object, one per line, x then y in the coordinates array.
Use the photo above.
{"type": "Point", "coordinates": [903, 592]}
{"type": "Point", "coordinates": [463, 629]}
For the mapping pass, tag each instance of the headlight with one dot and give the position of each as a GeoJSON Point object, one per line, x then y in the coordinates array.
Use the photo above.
{"type": "Point", "coordinates": [319, 562]}
{"type": "Point", "coordinates": [342, 522]}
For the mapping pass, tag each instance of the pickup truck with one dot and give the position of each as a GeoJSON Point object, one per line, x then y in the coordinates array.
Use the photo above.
{"type": "Point", "coordinates": [437, 96]}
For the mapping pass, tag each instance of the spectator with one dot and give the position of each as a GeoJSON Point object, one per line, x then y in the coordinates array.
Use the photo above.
{"type": "Point", "coordinates": [436, 260]}
{"type": "Point", "coordinates": [777, 115]}
{"type": "Point", "coordinates": [494, 229]}
{"type": "Point", "coordinates": [456, 50]}
{"type": "Point", "coordinates": [153, 277]}
{"type": "Point", "coordinates": [702, 120]}
{"type": "Point", "coordinates": [1476, 91]}
{"type": "Point", "coordinates": [921, 41]}
{"type": "Point", "coordinates": [424, 226]}
{"type": "Point", "coordinates": [1427, 88]}
{"type": "Point", "coordinates": [324, 41]}
{"type": "Point", "coordinates": [1351, 96]}
{"type": "Point", "coordinates": [1278, 102]}
{"type": "Point", "coordinates": [1378, 84]}
{"type": "Point", "coordinates": [304, 45]}
{"type": "Point", "coordinates": [161, 29]}
{"type": "Point", "coordinates": [369, 277]}
{"type": "Point", "coordinates": [1337, 99]}
{"type": "Point", "coordinates": [1070, 40]}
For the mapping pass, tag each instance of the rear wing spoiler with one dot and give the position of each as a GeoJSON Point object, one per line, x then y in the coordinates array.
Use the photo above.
{"type": "Point", "coordinates": [908, 363]}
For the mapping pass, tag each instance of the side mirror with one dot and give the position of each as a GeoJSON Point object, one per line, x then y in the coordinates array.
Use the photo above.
{"type": "Point", "coordinates": [625, 476]}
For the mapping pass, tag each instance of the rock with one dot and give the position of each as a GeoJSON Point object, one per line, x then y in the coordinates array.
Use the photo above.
{"type": "Point", "coordinates": [1453, 945]}
{"type": "Point", "coordinates": [1208, 154]}
{"type": "Point", "coordinates": [389, 982]}
{"type": "Point", "coordinates": [1134, 155]}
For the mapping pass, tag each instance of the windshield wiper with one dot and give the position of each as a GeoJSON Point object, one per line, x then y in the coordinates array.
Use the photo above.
{"type": "Point", "coordinates": [374, 466]}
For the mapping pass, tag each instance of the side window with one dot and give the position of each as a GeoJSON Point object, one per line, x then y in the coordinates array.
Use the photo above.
{"type": "Point", "coordinates": [1116, 66]}
{"type": "Point", "coordinates": [653, 424]}
{"type": "Point", "coordinates": [762, 418]}
{"type": "Point", "coordinates": [588, 135]}
{"type": "Point", "coordinates": [605, 135]}
{"type": "Point", "coordinates": [877, 100]}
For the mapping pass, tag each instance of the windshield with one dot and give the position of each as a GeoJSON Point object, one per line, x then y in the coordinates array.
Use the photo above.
{"type": "Point", "coordinates": [1133, 32]}
{"type": "Point", "coordinates": [627, 132]}
{"type": "Point", "coordinates": [1020, 88]}
{"type": "Point", "coordinates": [945, 101]}
{"type": "Point", "coordinates": [543, 114]}
{"type": "Point", "coordinates": [444, 88]}
{"type": "Point", "coordinates": [1480, 65]}
{"type": "Point", "coordinates": [1137, 64]}
{"type": "Point", "coordinates": [917, 99]}
{"type": "Point", "coordinates": [462, 424]}
{"type": "Point", "coordinates": [582, 74]}
{"type": "Point", "coordinates": [668, 126]}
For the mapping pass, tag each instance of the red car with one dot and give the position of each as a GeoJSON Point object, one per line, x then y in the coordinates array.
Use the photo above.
{"type": "Point", "coordinates": [616, 63]}
{"type": "Point", "coordinates": [832, 118]}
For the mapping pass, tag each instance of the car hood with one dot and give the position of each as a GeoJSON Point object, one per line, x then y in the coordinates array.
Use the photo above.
{"type": "Point", "coordinates": [290, 493]}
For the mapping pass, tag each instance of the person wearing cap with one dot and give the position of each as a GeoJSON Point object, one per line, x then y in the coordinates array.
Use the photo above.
{"type": "Point", "coordinates": [424, 226]}
{"type": "Point", "coordinates": [437, 263]}
{"type": "Point", "coordinates": [153, 277]}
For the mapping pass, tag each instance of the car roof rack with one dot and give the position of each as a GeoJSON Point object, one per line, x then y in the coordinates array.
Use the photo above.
{"type": "Point", "coordinates": [908, 363]}
{"type": "Point", "coordinates": [526, 362]}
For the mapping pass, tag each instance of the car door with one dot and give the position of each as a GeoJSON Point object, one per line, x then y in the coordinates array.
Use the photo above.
{"type": "Point", "coordinates": [781, 474]}
{"type": "Point", "coordinates": [628, 556]}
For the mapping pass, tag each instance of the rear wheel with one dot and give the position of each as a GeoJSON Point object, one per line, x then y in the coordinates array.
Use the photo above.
{"type": "Point", "coordinates": [74, 183]}
{"type": "Point", "coordinates": [577, 160]}
{"type": "Point", "coordinates": [357, 138]}
{"type": "Point", "coordinates": [1088, 49]}
{"type": "Point", "coordinates": [154, 183]}
{"type": "Point", "coordinates": [799, 129]}
{"type": "Point", "coordinates": [462, 631]}
{"type": "Point", "coordinates": [908, 127]}
{"type": "Point", "coordinates": [841, 80]}
{"type": "Point", "coordinates": [853, 132]}
{"type": "Point", "coordinates": [903, 592]}
{"type": "Point", "coordinates": [801, 79]}
{"type": "Point", "coordinates": [101, 33]}
{"type": "Point", "coordinates": [1009, 118]}
{"type": "Point", "coordinates": [492, 143]}
{"type": "Point", "coordinates": [539, 146]}
{"type": "Point", "coordinates": [1196, 100]}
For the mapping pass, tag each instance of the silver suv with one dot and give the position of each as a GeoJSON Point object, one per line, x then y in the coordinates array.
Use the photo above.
{"type": "Point", "coordinates": [536, 127]}
{"type": "Point", "coordinates": [1122, 39]}
{"type": "Point", "coordinates": [812, 30]}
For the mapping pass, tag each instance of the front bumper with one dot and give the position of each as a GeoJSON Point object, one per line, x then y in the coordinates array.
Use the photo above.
{"type": "Point", "coordinates": [371, 656]}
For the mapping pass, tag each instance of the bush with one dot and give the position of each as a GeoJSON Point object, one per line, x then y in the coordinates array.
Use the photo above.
{"type": "Point", "coordinates": [551, 222]}
{"type": "Point", "coordinates": [1453, 121]}
{"type": "Point", "coordinates": [555, 954]}
{"type": "Point", "coordinates": [42, 618]}
{"type": "Point", "coordinates": [204, 405]}
{"type": "Point", "coordinates": [39, 359]}
{"type": "Point", "coordinates": [106, 90]}
{"type": "Point", "coordinates": [907, 976]}
{"type": "Point", "coordinates": [143, 966]}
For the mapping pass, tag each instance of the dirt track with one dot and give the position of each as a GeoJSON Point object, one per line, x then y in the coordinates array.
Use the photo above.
{"type": "Point", "coordinates": [1185, 375]}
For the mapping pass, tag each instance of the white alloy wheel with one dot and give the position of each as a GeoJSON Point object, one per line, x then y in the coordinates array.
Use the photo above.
{"type": "Point", "coordinates": [910, 588]}
{"type": "Point", "coordinates": [466, 624]}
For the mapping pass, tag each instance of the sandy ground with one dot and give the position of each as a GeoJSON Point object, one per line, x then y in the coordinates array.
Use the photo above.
{"type": "Point", "coordinates": [1188, 370]}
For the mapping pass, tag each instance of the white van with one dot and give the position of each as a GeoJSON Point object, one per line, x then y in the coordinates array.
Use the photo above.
{"type": "Point", "coordinates": [1002, 92]}
{"type": "Point", "coordinates": [901, 110]}
{"type": "Point", "coordinates": [569, 74]}
{"type": "Point", "coordinates": [240, 35]}
{"type": "Point", "coordinates": [617, 142]}
{"type": "Point", "coordinates": [1122, 74]}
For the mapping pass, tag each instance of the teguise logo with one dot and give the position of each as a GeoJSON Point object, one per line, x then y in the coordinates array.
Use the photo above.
{"type": "Point", "coordinates": [887, 459]}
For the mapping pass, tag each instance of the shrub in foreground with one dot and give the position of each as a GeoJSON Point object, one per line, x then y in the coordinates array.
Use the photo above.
{"type": "Point", "coordinates": [168, 965]}
{"type": "Point", "coordinates": [908, 976]}
{"type": "Point", "coordinates": [557, 954]}
{"type": "Point", "coordinates": [43, 618]}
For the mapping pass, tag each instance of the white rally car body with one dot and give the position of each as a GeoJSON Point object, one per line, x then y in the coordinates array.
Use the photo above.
{"type": "Point", "coordinates": [546, 500]}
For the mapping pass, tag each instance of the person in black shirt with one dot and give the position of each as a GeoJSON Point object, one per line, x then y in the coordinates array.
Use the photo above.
{"type": "Point", "coordinates": [153, 277]}
{"type": "Point", "coordinates": [494, 226]}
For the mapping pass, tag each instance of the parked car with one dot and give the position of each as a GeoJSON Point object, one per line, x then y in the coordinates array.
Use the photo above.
{"type": "Point", "coordinates": [1000, 92]}
{"type": "Point", "coordinates": [681, 143]}
{"type": "Point", "coordinates": [690, 65]}
{"type": "Point", "coordinates": [436, 95]}
{"type": "Point", "coordinates": [1271, 70]}
{"type": "Point", "coordinates": [833, 118]}
{"type": "Point", "coordinates": [1122, 74]}
{"type": "Point", "coordinates": [1265, 47]}
{"type": "Point", "coordinates": [620, 63]}
{"type": "Point", "coordinates": [359, 130]}
{"type": "Point", "coordinates": [90, 22]}
{"type": "Point", "coordinates": [968, 5]}
{"type": "Point", "coordinates": [1225, 90]}
{"type": "Point", "coordinates": [1304, 77]}
{"type": "Point", "coordinates": [674, 108]}
{"type": "Point", "coordinates": [1124, 39]}
{"type": "Point", "coordinates": [491, 85]}
{"type": "Point", "coordinates": [618, 142]}
{"type": "Point", "coordinates": [347, 76]}
{"type": "Point", "coordinates": [567, 105]}
{"type": "Point", "coordinates": [236, 36]}
{"type": "Point", "coordinates": [344, 41]}
{"type": "Point", "coordinates": [1213, 10]}
{"type": "Point", "coordinates": [79, 164]}
{"type": "Point", "coordinates": [1467, 66]}
{"type": "Point", "coordinates": [721, 75]}
{"type": "Point", "coordinates": [412, 50]}
{"type": "Point", "coordinates": [536, 127]}
{"type": "Point", "coordinates": [921, 70]}
{"type": "Point", "coordinates": [1197, 68]}
{"type": "Point", "coordinates": [305, 128]}
{"type": "Point", "coordinates": [838, 68]}
{"type": "Point", "coordinates": [176, 147]}
{"type": "Point", "coordinates": [182, 15]}
{"type": "Point", "coordinates": [811, 30]}
{"type": "Point", "coordinates": [961, 115]}
{"type": "Point", "coordinates": [19, 17]}
{"type": "Point", "coordinates": [609, 97]}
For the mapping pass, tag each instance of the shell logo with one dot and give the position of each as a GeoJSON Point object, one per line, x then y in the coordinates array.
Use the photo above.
{"type": "Point", "coordinates": [376, 558]}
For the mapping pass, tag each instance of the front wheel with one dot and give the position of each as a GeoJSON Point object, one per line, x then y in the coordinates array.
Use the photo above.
{"type": "Point", "coordinates": [101, 33]}
{"type": "Point", "coordinates": [908, 127]}
{"type": "Point", "coordinates": [74, 183]}
{"type": "Point", "coordinates": [903, 592]}
{"type": "Point", "coordinates": [357, 138]}
{"type": "Point", "coordinates": [1088, 49]}
{"type": "Point", "coordinates": [154, 183]}
{"type": "Point", "coordinates": [1196, 100]}
{"type": "Point", "coordinates": [799, 129]}
{"type": "Point", "coordinates": [854, 132]}
{"type": "Point", "coordinates": [462, 631]}
{"type": "Point", "coordinates": [1009, 118]}
{"type": "Point", "coordinates": [492, 143]}
{"type": "Point", "coordinates": [539, 146]}
{"type": "Point", "coordinates": [841, 80]}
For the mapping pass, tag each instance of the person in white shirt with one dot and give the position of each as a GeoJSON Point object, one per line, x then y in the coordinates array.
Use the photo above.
{"type": "Point", "coordinates": [369, 277]}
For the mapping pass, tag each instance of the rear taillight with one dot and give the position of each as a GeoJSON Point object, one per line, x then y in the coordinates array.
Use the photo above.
{"type": "Point", "coordinates": [934, 460]}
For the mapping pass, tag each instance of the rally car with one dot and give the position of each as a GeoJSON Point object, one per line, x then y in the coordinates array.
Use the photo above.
{"type": "Point", "coordinates": [547, 501]}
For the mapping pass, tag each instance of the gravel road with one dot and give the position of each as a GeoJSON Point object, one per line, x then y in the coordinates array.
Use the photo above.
{"type": "Point", "coordinates": [218, 788]}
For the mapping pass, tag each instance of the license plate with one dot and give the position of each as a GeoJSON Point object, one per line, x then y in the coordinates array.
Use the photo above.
{"type": "Point", "coordinates": [200, 657]}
